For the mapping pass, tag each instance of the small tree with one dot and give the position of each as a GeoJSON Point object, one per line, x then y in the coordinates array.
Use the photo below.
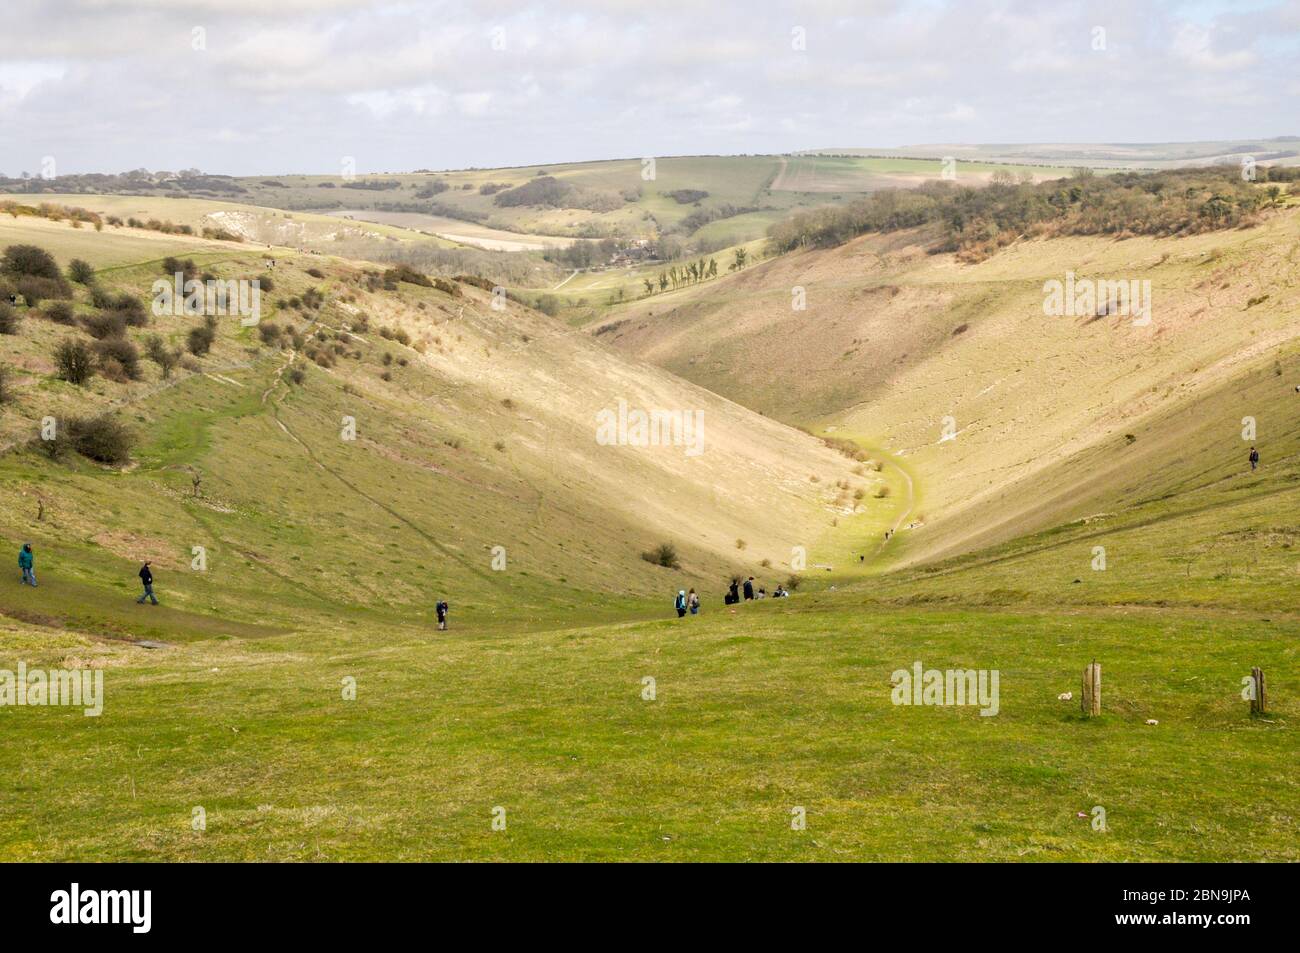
{"type": "Point", "coordinates": [160, 355]}
{"type": "Point", "coordinates": [199, 340]}
{"type": "Point", "coordinates": [75, 363]}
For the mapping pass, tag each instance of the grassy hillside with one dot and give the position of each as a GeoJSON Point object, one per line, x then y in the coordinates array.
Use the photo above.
{"type": "Point", "coordinates": [324, 558]}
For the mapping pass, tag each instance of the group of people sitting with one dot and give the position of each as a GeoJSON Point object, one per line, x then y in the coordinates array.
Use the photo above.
{"type": "Point", "coordinates": [690, 601]}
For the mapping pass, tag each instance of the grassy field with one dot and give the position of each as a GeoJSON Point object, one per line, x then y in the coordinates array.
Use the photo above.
{"type": "Point", "coordinates": [304, 705]}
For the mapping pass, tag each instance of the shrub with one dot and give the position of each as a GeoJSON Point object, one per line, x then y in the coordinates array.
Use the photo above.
{"type": "Point", "coordinates": [266, 283]}
{"type": "Point", "coordinates": [105, 324]}
{"type": "Point", "coordinates": [100, 298]}
{"type": "Point", "coordinates": [793, 583]}
{"type": "Point", "coordinates": [131, 309]}
{"type": "Point", "coordinates": [74, 361]}
{"type": "Point", "coordinates": [121, 352]}
{"type": "Point", "coordinates": [297, 375]}
{"type": "Point", "coordinates": [665, 554]}
{"type": "Point", "coordinates": [315, 273]}
{"type": "Point", "coordinates": [160, 354]}
{"type": "Point", "coordinates": [35, 290]}
{"type": "Point", "coordinates": [101, 439]}
{"type": "Point", "coordinates": [408, 274]}
{"type": "Point", "coordinates": [199, 341]}
{"type": "Point", "coordinates": [269, 332]}
{"type": "Point", "coordinates": [30, 260]}
{"type": "Point", "coordinates": [60, 312]}
{"type": "Point", "coordinates": [82, 272]}
{"type": "Point", "coordinates": [8, 318]}
{"type": "Point", "coordinates": [187, 267]}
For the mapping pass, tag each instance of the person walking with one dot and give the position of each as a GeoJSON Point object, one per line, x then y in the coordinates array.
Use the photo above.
{"type": "Point", "coordinates": [680, 603]}
{"type": "Point", "coordinates": [693, 602]}
{"type": "Point", "coordinates": [146, 577]}
{"type": "Point", "coordinates": [749, 588]}
{"type": "Point", "coordinates": [733, 592]}
{"type": "Point", "coordinates": [441, 608]}
{"type": "Point", "coordinates": [1254, 458]}
{"type": "Point", "coordinates": [27, 563]}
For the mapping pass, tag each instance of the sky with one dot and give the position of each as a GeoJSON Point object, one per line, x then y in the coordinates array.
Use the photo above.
{"type": "Point", "coordinates": [279, 86]}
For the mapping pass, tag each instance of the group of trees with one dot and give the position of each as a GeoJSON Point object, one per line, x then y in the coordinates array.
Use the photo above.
{"type": "Point", "coordinates": [550, 192]}
{"type": "Point", "coordinates": [975, 221]}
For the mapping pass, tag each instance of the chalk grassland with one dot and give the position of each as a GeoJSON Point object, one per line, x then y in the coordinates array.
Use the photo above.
{"type": "Point", "coordinates": [324, 558]}
{"type": "Point", "coordinates": [1053, 418]}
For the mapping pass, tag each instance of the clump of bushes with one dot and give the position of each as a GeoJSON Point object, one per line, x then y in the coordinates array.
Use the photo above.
{"type": "Point", "coordinates": [665, 554]}
{"type": "Point", "coordinates": [408, 274]}
{"type": "Point", "coordinates": [101, 439]}
{"type": "Point", "coordinates": [60, 312]}
{"type": "Point", "coordinates": [119, 359]}
{"type": "Point", "coordinates": [105, 324]}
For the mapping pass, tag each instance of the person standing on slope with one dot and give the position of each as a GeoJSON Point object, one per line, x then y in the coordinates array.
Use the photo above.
{"type": "Point", "coordinates": [693, 602]}
{"type": "Point", "coordinates": [441, 608]}
{"type": "Point", "coordinates": [27, 563]}
{"type": "Point", "coordinates": [1254, 458]}
{"type": "Point", "coordinates": [733, 593]}
{"type": "Point", "coordinates": [146, 577]}
{"type": "Point", "coordinates": [749, 588]}
{"type": "Point", "coordinates": [680, 603]}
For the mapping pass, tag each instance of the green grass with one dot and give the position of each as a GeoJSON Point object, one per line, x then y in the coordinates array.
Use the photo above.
{"type": "Point", "coordinates": [780, 705]}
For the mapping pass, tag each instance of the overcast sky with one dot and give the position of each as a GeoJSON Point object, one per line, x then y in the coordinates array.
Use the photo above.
{"type": "Point", "coordinates": [277, 86]}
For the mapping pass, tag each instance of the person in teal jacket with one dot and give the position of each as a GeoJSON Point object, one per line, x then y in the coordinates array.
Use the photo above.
{"type": "Point", "coordinates": [27, 562]}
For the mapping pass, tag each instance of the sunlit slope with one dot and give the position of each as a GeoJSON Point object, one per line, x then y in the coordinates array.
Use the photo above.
{"type": "Point", "coordinates": [898, 349]}
{"type": "Point", "coordinates": [482, 433]}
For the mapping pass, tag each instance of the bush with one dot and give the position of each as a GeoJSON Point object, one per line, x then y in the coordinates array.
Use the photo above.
{"type": "Point", "coordinates": [8, 318]}
{"type": "Point", "coordinates": [35, 290]}
{"type": "Point", "coordinates": [60, 312]}
{"type": "Point", "coordinates": [199, 341]}
{"type": "Point", "coordinates": [297, 375]}
{"type": "Point", "coordinates": [665, 554]}
{"type": "Point", "coordinates": [315, 273]}
{"type": "Point", "coordinates": [122, 353]}
{"type": "Point", "coordinates": [266, 283]}
{"type": "Point", "coordinates": [82, 272]}
{"type": "Point", "coordinates": [30, 260]}
{"type": "Point", "coordinates": [131, 309]}
{"type": "Point", "coordinates": [74, 361]}
{"type": "Point", "coordinates": [793, 583]}
{"type": "Point", "coordinates": [101, 439]}
{"type": "Point", "coordinates": [159, 353]}
{"type": "Point", "coordinates": [408, 274]}
{"type": "Point", "coordinates": [106, 324]}
{"type": "Point", "coordinates": [269, 332]}
{"type": "Point", "coordinates": [187, 268]}
{"type": "Point", "coordinates": [100, 298]}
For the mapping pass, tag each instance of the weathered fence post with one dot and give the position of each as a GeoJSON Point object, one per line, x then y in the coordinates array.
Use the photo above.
{"type": "Point", "coordinates": [1258, 704]}
{"type": "Point", "coordinates": [1090, 697]}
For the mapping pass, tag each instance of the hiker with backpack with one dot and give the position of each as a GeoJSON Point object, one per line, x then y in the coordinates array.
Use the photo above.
{"type": "Point", "coordinates": [693, 602]}
{"type": "Point", "coordinates": [27, 563]}
{"type": "Point", "coordinates": [680, 603]}
{"type": "Point", "coordinates": [441, 608]}
{"type": "Point", "coordinates": [146, 577]}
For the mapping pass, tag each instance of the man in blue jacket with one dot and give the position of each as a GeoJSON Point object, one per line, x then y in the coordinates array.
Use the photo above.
{"type": "Point", "coordinates": [27, 562]}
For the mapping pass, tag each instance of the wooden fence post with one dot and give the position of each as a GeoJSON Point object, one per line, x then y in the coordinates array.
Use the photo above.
{"type": "Point", "coordinates": [1258, 704]}
{"type": "Point", "coordinates": [1090, 697]}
